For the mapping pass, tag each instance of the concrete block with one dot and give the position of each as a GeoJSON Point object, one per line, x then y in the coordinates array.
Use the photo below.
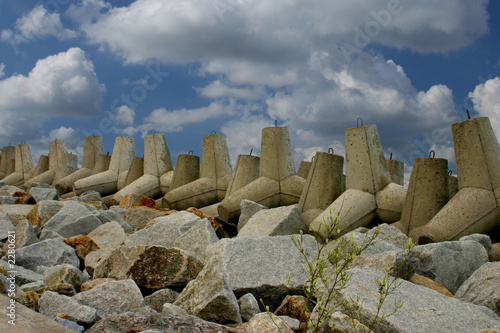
{"type": "Point", "coordinates": [101, 164]}
{"type": "Point", "coordinates": [186, 171]}
{"type": "Point", "coordinates": [397, 171]}
{"type": "Point", "coordinates": [8, 155]}
{"type": "Point", "coordinates": [135, 171]}
{"type": "Point", "coordinates": [390, 202]}
{"type": "Point", "coordinates": [24, 166]}
{"type": "Point", "coordinates": [42, 165]}
{"type": "Point", "coordinates": [245, 172]}
{"type": "Point", "coordinates": [304, 168]}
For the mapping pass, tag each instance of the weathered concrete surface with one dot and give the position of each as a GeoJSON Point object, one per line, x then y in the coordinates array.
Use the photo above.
{"type": "Point", "coordinates": [24, 166]}
{"type": "Point", "coordinates": [397, 171]}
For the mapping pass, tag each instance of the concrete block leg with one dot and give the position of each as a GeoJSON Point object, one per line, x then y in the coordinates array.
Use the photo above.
{"type": "Point", "coordinates": [397, 171]}
{"type": "Point", "coordinates": [304, 168]}
{"type": "Point", "coordinates": [156, 163]}
{"type": "Point", "coordinates": [323, 185]}
{"type": "Point", "coordinates": [101, 164]}
{"type": "Point", "coordinates": [8, 155]}
{"type": "Point", "coordinates": [68, 165]}
{"type": "Point", "coordinates": [42, 165]}
{"type": "Point", "coordinates": [136, 170]}
{"type": "Point", "coordinates": [428, 192]}
{"type": "Point", "coordinates": [106, 182]}
{"type": "Point", "coordinates": [187, 170]}
{"type": "Point", "coordinates": [474, 209]}
{"type": "Point", "coordinates": [245, 172]}
{"type": "Point", "coordinates": [57, 152]}
{"type": "Point", "coordinates": [24, 166]}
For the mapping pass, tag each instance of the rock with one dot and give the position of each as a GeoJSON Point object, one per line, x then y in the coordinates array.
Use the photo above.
{"type": "Point", "coordinates": [50, 235]}
{"type": "Point", "coordinates": [248, 209]}
{"type": "Point", "coordinates": [292, 323]}
{"type": "Point", "coordinates": [286, 220]}
{"type": "Point", "coordinates": [265, 322]}
{"type": "Point", "coordinates": [23, 198]}
{"type": "Point", "coordinates": [61, 289]}
{"type": "Point", "coordinates": [90, 196]}
{"type": "Point", "coordinates": [16, 212]}
{"type": "Point", "coordinates": [32, 286]}
{"type": "Point", "coordinates": [7, 200]}
{"type": "Point", "coordinates": [136, 322]}
{"type": "Point", "coordinates": [197, 239]}
{"type": "Point", "coordinates": [484, 240]}
{"type": "Point", "coordinates": [109, 235]}
{"type": "Point", "coordinates": [139, 216]}
{"type": "Point", "coordinates": [162, 233]}
{"type": "Point", "coordinates": [481, 287]}
{"type": "Point", "coordinates": [44, 211]}
{"type": "Point", "coordinates": [6, 227]}
{"type": "Point", "coordinates": [40, 194]}
{"type": "Point", "coordinates": [153, 267]}
{"type": "Point", "coordinates": [450, 263]}
{"type": "Point", "coordinates": [29, 299]}
{"type": "Point", "coordinates": [341, 322]}
{"type": "Point", "coordinates": [275, 257]}
{"type": "Point", "coordinates": [112, 298]}
{"type": "Point", "coordinates": [156, 300]}
{"type": "Point", "coordinates": [70, 324]}
{"type": "Point", "coordinates": [72, 220]}
{"type": "Point", "coordinates": [64, 274]}
{"type": "Point", "coordinates": [210, 297]}
{"type": "Point", "coordinates": [82, 244]}
{"type": "Point", "coordinates": [171, 309]}
{"type": "Point", "coordinates": [53, 305]}
{"type": "Point", "coordinates": [25, 235]}
{"type": "Point", "coordinates": [398, 263]}
{"type": "Point", "coordinates": [131, 200]}
{"type": "Point", "coordinates": [38, 185]}
{"type": "Point", "coordinates": [114, 215]}
{"type": "Point", "coordinates": [296, 307]}
{"type": "Point", "coordinates": [22, 275]}
{"type": "Point", "coordinates": [49, 252]}
{"type": "Point", "coordinates": [183, 220]}
{"type": "Point", "coordinates": [94, 258]}
{"type": "Point", "coordinates": [249, 307]}
{"type": "Point", "coordinates": [423, 310]}
{"type": "Point", "coordinates": [431, 284]}
{"type": "Point", "coordinates": [496, 251]}
{"type": "Point", "coordinates": [91, 284]}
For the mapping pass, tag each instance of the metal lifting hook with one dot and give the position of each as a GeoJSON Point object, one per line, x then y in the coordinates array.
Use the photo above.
{"type": "Point", "coordinates": [433, 153]}
{"type": "Point", "coordinates": [333, 152]}
{"type": "Point", "coordinates": [213, 132]}
{"type": "Point", "coordinates": [190, 152]}
{"type": "Point", "coordinates": [251, 150]}
{"type": "Point", "coordinates": [358, 121]}
{"type": "Point", "coordinates": [390, 157]}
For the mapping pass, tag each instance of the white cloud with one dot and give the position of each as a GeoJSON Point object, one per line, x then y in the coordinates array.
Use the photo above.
{"type": "Point", "coordinates": [486, 100]}
{"type": "Point", "coordinates": [217, 89]}
{"type": "Point", "coordinates": [2, 68]}
{"type": "Point", "coordinates": [124, 115]}
{"type": "Point", "coordinates": [61, 85]}
{"type": "Point", "coordinates": [37, 23]}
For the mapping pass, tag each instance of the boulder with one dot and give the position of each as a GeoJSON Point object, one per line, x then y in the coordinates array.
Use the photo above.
{"type": "Point", "coordinates": [172, 309]}
{"type": "Point", "coordinates": [29, 299]}
{"type": "Point", "coordinates": [481, 287]}
{"type": "Point", "coordinates": [197, 239]}
{"type": "Point", "coordinates": [210, 297]}
{"type": "Point", "coordinates": [49, 252]}
{"type": "Point", "coordinates": [156, 300]}
{"type": "Point", "coordinates": [137, 322]}
{"type": "Point", "coordinates": [296, 307]}
{"type": "Point", "coordinates": [92, 283]}
{"type": "Point", "coordinates": [450, 263]}
{"type": "Point", "coordinates": [110, 235]}
{"type": "Point", "coordinates": [162, 233]}
{"type": "Point", "coordinates": [249, 307]}
{"type": "Point", "coordinates": [183, 220]}
{"type": "Point", "coordinates": [64, 274]}
{"type": "Point", "coordinates": [265, 322]}
{"type": "Point", "coordinates": [131, 200]}
{"type": "Point", "coordinates": [398, 263]}
{"type": "Point", "coordinates": [23, 275]}
{"type": "Point", "coordinates": [72, 220]}
{"type": "Point", "coordinates": [112, 298]}
{"type": "Point", "coordinates": [114, 215]}
{"type": "Point", "coordinates": [431, 284]}
{"type": "Point", "coordinates": [248, 209]}
{"type": "Point", "coordinates": [6, 227]}
{"type": "Point", "coordinates": [70, 324]}
{"type": "Point", "coordinates": [484, 240]}
{"type": "Point", "coordinates": [54, 305]}
{"type": "Point", "coordinates": [423, 310]}
{"type": "Point", "coordinates": [286, 220]}
{"type": "Point", "coordinates": [153, 267]}
{"type": "Point", "coordinates": [137, 217]}
{"type": "Point", "coordinates": [25, 235]}
{"type": "Point", "coordinates": [340, 322]}
{"type": "Point", "coordinates": [40, 193]}
{"type": "Point", "coordinates": [82, 244]}
{"type": "Point", "coordinates": [44, 211]}
{"type": "Point", "coordinates": [94, 258]}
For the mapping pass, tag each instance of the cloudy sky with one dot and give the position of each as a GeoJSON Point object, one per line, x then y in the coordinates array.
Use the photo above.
{"type": "Point", "coordinates": [189, 67]}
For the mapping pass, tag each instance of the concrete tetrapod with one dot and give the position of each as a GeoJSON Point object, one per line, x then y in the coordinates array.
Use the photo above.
{"type": "Point", "coordinates": [428, 192]}
{"type": "Point", "coordinates": [156, 163]}
{"type": "Point", "coordinates": [474, 209]}
{"type": "Point", "coordinates": [24, 166]}
{"type": "Point", "coordinates": [215, 173]}
{"type": "Point", "coordinates": [92, 147]}
{"type": "Point", "coordinates": [67, 167]}
{"type": "Point", "coordinates": [277, 183]}
{"type": "Point", "coordinates": [8, 155]}
{"type": "Point", "coordinates": [323, 185]}
{"type": "Point", "coordinates": [57, 150]}
{"type": "Point", "coordinates": [101, 164]}
{"type": "Point", "coordinates": [136, 170]}
{"type": "Point", "coordinates": [112, 180]}
{"type": "Point", "coordinates": [42, 165]}
{"type": "Point", "coordinates": [370, 193]}
{"type": "Point", "coordinates": [397, 171]}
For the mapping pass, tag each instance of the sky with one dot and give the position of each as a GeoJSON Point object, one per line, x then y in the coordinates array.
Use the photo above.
{"type": "Point", "coordinates": [187, 68]}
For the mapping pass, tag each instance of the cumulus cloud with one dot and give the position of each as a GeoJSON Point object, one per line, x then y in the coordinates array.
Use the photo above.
{"type": "Point", "coordinates": [486, 100]}
{"type": "Point", "coordinates": [2, 67]}
{"type": "Point", "coordinates": [38, 23]}
{"type": "Point", "coordinates": [60, 85]}
{"type": "Point", "coordinates": [124, 115]}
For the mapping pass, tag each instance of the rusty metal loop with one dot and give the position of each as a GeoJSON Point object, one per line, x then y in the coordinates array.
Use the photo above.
{"type": "Point", "coordinates": [107, 153]}
{"type": "Point", "coordinates": [333, 152]}
{"type": "Point", "coordinates": [213, 132]}
{"type": "Point", "coordinates": [276, 123]}
{"type": "Point", "coordinates": [190, 152]}
{"type": "Point", "coordinates": [312, 159]}
{"type": "Point", "coordinates": [358, 121]}
{"type": "Point", "coordinates": [433, 153]}
{"type": "Point", "coordinates": [450, 172]}
{"type": "Point", "coordinates": [390, 157]}
{"type": "Point", "coordinates": [251, 151]}
{"type": "Point", "coordinates": [468, 114]}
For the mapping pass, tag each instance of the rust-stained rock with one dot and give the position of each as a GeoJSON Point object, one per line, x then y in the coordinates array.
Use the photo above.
{"type": "Point", "coordinates": [139, 216]}
{"type": "Point", "coordinates": [264, 322]}
{"type": "Point", "coordinates": [64, 274]}
{"type": "Point", "coordinates": [294, 307]}
{"type": "Point", "coordinates": [60, 288]}
{"type": "Point", "coordinates": [28, 299]}
{"type": "Point", "coordinates": [132, 200]}
{"type": "Point", "coordinates": [43, 211]}
{"type": "Point", "coordinates": [153, 267]}
{"type": "Point", "coordinates": [216, 224]}
{"type": "Point", "coordinates": [82, 244]}
{"type": "Point", "coordinates": [94, 283]}
{"type": "Point", "coordinates": [23, 198]}
{"type": "Point", "coordinates": [431, 284]}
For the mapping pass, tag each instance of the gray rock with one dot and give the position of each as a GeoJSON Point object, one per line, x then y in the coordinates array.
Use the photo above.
{"type": "Point", "coordinates": [399, 263]}
{"type": "Point", "coordinates": [260, 265]}
{"type": "Point", "coordinates": [391, 235]}
{"type": "Point", "coordinates": [52, 305]}
{"type": "Point", "coordinates": [249, 306]}
{"type": "Point", "coordinates": [139, 216]}
{"type": "Point", "coordinates": [340, 322]}
{"type": "Point", "coordinates": [171, 309]}
{"type": "Point", "coordinates": [62, 274]}
{"type": "Point", "coordinates": [110, 235]}
{"type": "Point", "coordinates": [7, 200]}
{"type": "Point", "coordinates": [40, 193]}
{"type": "Point", "coordinates": [183, 220]}
{"type": "Point", "coordinates": [197, 239]}
{"type": "Point", "coordinates": [25, 234]}
{"type": "Point", "coordinates": [49, 252]}
{"type": "Point", "coordinates": [32, 286]}
{"type": "Point", "coordinates": [482, 287]}
{"type": "Point", "coordinates": [482, 239]}
{"type": "Point", "coordinates": [44, 211]}
{"type": "Point", "coordinates": [6, 226]}
{"type": "Point", "coordinates": [153, 267]}
{"type": "Point", "coordinates": [162, 233]}
{"type": "Point", "coordinates": [90, 196]}
{"type": "Point", "coordinates": [156, 300]}
{"type": "Point", "coordinates": [70, 324]}
{"type": "Point", "coordinates": [286, 220]}
{"type": "Point", "coordinates": [23, 275]}
{"type": "Point", "coordinates": [112, 298]}
{"type": "Point", "coordinates": [292, 323]}
{"type": "Point", "coordinates": [266, 322]}
{"type": "Point", "coordinates": [136, 322]}
{"type": "Point", "coordinates": [210, 297]}
{"type": "Point", "coordinates": [248, 209]}
{"type": "Point", "coordinates": [423, 310]}
{"type": "Point", "coordinates": [72, 220]}
{"type": "Point", "coordinates": [38, 185]}
{"type": "Point", "coordinates": [450, 263]}
{"type": "Point", "coordinates": [94, 258]}
{"type": "Point", "coordinates": [114, 215]}
{"type": "Point", "coordinates": [50, 235]}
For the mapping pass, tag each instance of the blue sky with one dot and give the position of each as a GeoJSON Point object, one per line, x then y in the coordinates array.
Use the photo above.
{"type": "Point", "coordinates": [190, 67]}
